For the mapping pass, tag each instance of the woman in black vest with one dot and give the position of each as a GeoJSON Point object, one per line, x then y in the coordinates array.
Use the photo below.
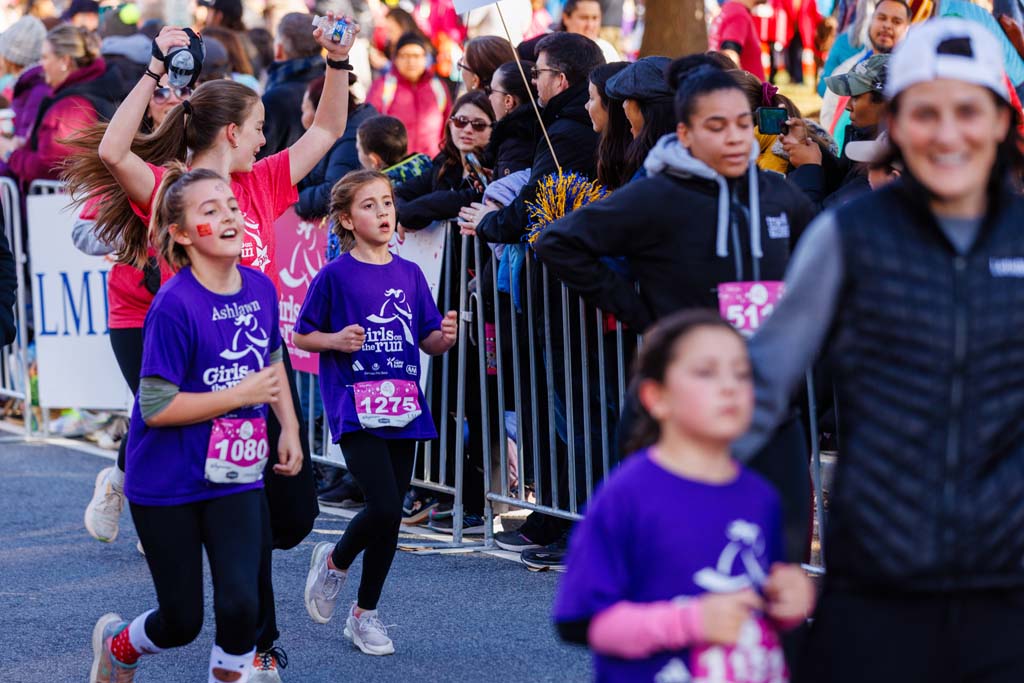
{"type": "Point", "coordinates": [704, 215]}
{"type": "Point", "coordinates": [917, 289]}
{"type": "Point", "coordinates": [82, 95]}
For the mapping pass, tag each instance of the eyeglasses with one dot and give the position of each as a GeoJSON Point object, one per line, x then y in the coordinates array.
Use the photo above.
{"type": "Point", "coordinates": [535, 72]}
{"type": "Point", "coordinates": [161, 95]}
{"type": "Point", "coordinates": [463, 65]}
{"type": "Point", "coordinates": [488, 90]}
{"type": "Point", "coordinates": [477, 125]}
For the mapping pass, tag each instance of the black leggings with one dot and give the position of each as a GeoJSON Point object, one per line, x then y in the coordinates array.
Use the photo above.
{"type": "Point", "coordinates": [232, 529]}
{"type": "Point", "coordinates": [382, 468]}
{"type": "Point", "coordinates": [127, 345]}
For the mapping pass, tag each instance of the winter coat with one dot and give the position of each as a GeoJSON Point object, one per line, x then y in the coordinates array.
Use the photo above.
{"type": "Point", "coordinates": [572, 135]}
{"type": "Point", "coordinates": [683, 230]}
{"type": "Point", "coordinates": [423, 107]}
{"type": "Point", "coordinates": [837, 178]}
{"type": "Point", "coordinates": [89, 94]}
{"type": "Point", "coordinates": [29, 92]}
{"type": "Point", "coordinates": [315, 188]}
{"type": "Point", "coordinates": [282, 102]}
{"type": "Point", "coordinates": [434, 196]}
{"type": "Point", "coordinates": [8, 292]}
{"type": "Point", "coordinates": [513, 141]}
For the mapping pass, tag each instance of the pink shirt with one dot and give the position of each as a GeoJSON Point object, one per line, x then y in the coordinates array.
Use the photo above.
{"type": "Point", "coordinates": [263, 195]}
{"type": "Point", "coordinates": [735, 24]}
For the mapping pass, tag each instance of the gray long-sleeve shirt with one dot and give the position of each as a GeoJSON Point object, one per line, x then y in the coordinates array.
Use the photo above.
{"type": "Point", "coordinates": [788, 343]}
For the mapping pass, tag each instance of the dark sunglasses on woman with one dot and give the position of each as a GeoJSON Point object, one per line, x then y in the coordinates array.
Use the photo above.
{"type": "Point", "coordinates": [461, 122]}
{"type": "Point", "coordinates": [161, 95]}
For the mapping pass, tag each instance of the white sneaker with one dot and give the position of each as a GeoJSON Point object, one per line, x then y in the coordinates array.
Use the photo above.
{"type": "Point", "coordinates": [103, 513]}
{"type": "Point", "coordinates": [368, 633]}
{"type": "Point", "coordinates": [322, 584]}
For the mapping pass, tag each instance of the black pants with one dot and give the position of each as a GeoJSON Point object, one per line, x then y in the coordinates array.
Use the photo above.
{"type": "Point", "coordinates": [127, 345]}
{"type": "Point", "coordinates": [965, 637]}
{"type": "Point", "coordinates": [382, 468]}
{"type": "Point", "coordinates": [232, 530]}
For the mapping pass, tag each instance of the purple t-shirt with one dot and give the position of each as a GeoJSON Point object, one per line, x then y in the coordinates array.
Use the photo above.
{"type": "Point", "coordinates": [199, 341]}
{"type": "Point", "coordinates": [650, 535]}
{"type": "Point", "coordinates": [392, 302]}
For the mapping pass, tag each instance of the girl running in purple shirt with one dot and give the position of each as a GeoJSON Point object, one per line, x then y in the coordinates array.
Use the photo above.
{"type": "Point", "coordinates": [368, 314]}
{"type": "Point", "coordinates": [197, 447]}
{"type": "Point", "coordinates": [697, 597]}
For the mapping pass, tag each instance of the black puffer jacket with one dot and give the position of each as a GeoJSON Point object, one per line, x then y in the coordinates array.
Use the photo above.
{"type": "Point", "coordinates": [434, 196]}
{"type": "Point", "coordinates": [315, 188]}
{"type": "Point", "coordinates": [575, 142]}
{"type": "Point", "coordinates": [677, 237]}
{"type": "Point", "coordinates": [513, 141]}
{"type": "Point", "coordinates": [927, 347]}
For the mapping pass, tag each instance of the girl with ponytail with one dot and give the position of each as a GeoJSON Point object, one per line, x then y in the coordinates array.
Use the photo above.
{"type": "Point", "coordinates": [220, 130]}
{"type": "Point", "coordinates": [198, 441]}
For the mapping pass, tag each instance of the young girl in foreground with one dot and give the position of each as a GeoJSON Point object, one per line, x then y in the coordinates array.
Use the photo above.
{"type": "Point", "coordinates": [368, 313]}
{"type": "Point", "coordinates": [197, 445]}
{"type": "Point", "coordinates": [700, 597]}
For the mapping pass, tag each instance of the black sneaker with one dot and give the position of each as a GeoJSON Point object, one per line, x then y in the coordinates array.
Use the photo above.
{"type": "Point", "coordinates": [471, 524]}
{"type": "Point", "coordinates": [551, 556]}
{"type": "Point", "coordinates": [417, 506]}
{"type": "Point", "coordinates": [326, 476]}
{"type": "Point", "coordinates": [346, 494]}
{"type": "Point", "coordinates": [514, 541]}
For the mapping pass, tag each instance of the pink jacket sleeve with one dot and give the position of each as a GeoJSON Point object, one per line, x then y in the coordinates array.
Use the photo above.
{"type": "Point", "coordinates": [631, 630]}
{"type": "Point", "coordinates": [63, 120]}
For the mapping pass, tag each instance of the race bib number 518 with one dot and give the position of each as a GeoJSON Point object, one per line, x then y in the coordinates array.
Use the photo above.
{"type": "Point", "coordinates": [748, 304]}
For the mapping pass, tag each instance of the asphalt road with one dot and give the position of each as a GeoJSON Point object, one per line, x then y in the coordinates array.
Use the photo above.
{"type": "Point", "coordinates": [466, 617]}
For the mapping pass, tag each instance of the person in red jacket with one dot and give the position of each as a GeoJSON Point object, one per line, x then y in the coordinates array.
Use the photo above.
{"type": "Point", "coordinates": [413, 94]}
{"type": "Point", "coordinates": [82, 93]}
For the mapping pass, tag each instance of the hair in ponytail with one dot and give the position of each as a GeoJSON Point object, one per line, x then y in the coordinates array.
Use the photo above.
{"type": "Point", "coordinates": [343, 195]}
{"type": "Point", "coordinates": [694, 76]}
{"type": "Point", "coordinates": [169, 209]}
{"type": "Point", "coordinates": [661, 344]}
{"type": "Point", "coordinates": [213, 106]}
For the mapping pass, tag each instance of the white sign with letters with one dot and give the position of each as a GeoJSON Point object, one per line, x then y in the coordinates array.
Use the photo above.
{"type": "Point", "coordinates": [77, 368]}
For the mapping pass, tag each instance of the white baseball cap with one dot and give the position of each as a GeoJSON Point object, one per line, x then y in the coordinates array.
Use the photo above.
{"type": "Point", "coordinates": [952, 48]}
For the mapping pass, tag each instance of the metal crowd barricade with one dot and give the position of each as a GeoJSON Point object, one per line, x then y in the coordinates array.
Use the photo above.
{"type": "Point", "coordinates": [567, 373]}
{"type": "Point", "coordinates": [433, 470]}
{"type": "Point", "coordinates": [15, 379]}
{"type": "Point", "coordinates": [46, 187]}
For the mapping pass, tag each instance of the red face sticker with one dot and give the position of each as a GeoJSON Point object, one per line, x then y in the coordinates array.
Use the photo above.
{"type": "Point", "coordinates": [204, 229]}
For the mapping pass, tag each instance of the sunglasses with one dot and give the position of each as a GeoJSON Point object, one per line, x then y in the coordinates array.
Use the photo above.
{"type": "Point", "coordinates": [477, 125]}
{"type": "Point", "coordinates": [535, 72]}
{"type": "Point", "coordinates": [161, 95]}
{"type": "Point", "coordinates": [463, 65]}
{"type": "Point", "coordinates": [488, 90]}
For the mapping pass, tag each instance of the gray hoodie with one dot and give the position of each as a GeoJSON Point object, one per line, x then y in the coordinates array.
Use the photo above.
{"type": "Point", "coordinates": [670, 157]}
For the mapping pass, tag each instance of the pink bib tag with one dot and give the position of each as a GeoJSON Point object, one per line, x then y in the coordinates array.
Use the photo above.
{"type": "Point", "coordinates": [387, 403]}
{"type": "Point", "coordinates": [748, 304]}
{"type": "Point", "coordinates": [238, 450]}
{"type": "Point", "coordinates": [756, 658]}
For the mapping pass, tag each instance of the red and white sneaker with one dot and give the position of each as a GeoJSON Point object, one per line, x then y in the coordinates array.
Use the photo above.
{"type": "Point", "coordinates": [105, 667]}
{"type": "Point", "coordinates": [267, 665]}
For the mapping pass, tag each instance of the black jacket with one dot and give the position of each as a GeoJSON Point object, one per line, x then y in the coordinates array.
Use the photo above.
{"type": "Point", "coordinates": [8, 292]}
{"type": "Point", "coordinates": [434, 196]}
{"type": "Point", "coordinates": [926, 348]}
{"type": "Point", "coordinates": [837, 179]}
{"type": "Point", "coordinates": [315, 188]}
{"type": "Point", "coordinates": [282, 102]}
{"type": "Point", "coordinates": [513, 141]}
{"type": "Point", "coordinates": [575, 142]}
{"type": "Point", "coordinates": [667, 227]}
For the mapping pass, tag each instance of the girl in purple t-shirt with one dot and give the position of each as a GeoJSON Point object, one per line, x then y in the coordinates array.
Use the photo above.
{"type": "Point", "coordinates": [368, 314]}
{"type": "Point", "coordinates": [197, 446]}
{"type": "Point", "coordinates": [695, 597]}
